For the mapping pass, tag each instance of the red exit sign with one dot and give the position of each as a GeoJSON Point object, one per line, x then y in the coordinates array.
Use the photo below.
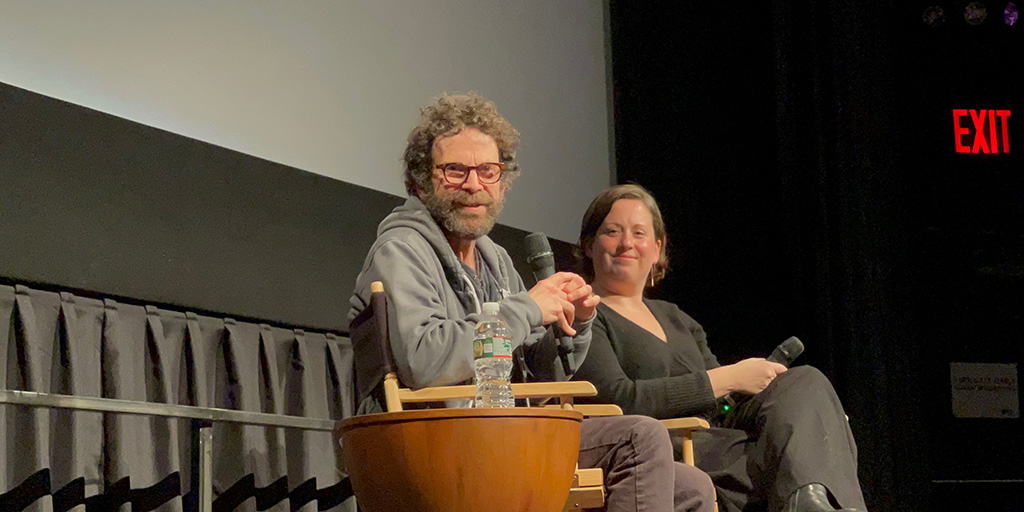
{"type": "Point", "coordinates": [989, 128]}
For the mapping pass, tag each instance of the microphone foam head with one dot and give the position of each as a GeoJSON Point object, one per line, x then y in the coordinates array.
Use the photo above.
{"type": "Point", "coordinates": [789, 350]}
{"type": "Point", "coordinates": [537, 243]}
{"type": "Point", "coordinates": [793, 347]}
{"type": "Point", "coordinates": [539, 250]}
{"type": "Point", "coordinates": [539, 256]}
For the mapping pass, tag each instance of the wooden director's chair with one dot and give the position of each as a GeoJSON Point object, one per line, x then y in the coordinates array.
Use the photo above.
{"type": "Point", "coordinates": [374, 363]}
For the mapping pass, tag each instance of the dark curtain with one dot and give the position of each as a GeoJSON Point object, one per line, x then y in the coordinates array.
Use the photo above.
{"type": "Point", "coordinates": [766, 132]}
{"type": "Point", "coordinates": [845, 212]}
{"type": "Point", "coordinates": [57, 460]}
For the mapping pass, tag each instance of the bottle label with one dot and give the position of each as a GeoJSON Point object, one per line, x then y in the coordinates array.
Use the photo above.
{"type": "Point", "coordinates": [497, 346]}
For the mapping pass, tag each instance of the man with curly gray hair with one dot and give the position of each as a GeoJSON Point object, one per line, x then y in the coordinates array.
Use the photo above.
{"type": "Point", "coordinates": [438, 266]}
{"type": "Point", "coordinates": [450, 115]}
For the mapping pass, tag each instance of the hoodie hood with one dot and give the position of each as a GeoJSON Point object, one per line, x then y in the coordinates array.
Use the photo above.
{"type": "Point", "coordinates": [414, 215]}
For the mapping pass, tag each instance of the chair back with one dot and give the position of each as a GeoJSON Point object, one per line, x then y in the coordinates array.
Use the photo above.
{"type": "Point", "coordinates": [371, 351]}
{"type": "Point", "coordinates": [449, 459]}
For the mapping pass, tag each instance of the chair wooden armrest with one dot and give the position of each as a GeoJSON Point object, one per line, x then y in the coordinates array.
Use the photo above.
{"type": "Point", "coordinates": [592, 410]}
{"type": "Point", "coordinates": [679, 426]}
{"type": "Point", "coordinates": [684, 427]}
{"type": "Point", "coordinates": [564, 391]}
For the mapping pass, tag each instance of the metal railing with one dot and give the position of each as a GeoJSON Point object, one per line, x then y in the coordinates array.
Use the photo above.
{"type": "Point", "coordinates": [203, 420]}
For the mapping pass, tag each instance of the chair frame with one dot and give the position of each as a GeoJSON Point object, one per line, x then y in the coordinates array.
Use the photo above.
{"type": "Point", "coordinates": [588, 485]}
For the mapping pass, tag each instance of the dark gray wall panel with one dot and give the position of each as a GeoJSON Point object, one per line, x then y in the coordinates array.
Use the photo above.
{"type": "Point", "coordinates": [100, 204]}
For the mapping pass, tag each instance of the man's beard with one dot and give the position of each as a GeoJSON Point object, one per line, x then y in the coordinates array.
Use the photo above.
{"type": "Point", "coordinates": [447, 211]}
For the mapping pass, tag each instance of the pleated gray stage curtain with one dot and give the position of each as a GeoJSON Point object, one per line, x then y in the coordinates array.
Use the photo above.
{"type": "Point", "coordinates": [56, 460]}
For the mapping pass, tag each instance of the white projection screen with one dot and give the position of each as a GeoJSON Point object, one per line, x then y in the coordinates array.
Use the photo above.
{"type": "Point", "coordinates": [333, 86]}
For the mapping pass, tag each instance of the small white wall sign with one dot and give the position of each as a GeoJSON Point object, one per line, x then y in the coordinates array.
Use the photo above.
{"type": "Point", "coordinates": [984, 390]}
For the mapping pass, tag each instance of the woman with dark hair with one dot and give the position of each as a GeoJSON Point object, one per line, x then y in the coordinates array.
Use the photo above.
{"type": "Point", "coordinates": [785, 447]}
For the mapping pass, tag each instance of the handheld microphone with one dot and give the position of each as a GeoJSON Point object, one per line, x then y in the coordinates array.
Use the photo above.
{"type": "Point", "coordinates": [787, 351]}
{"type": "Point", "coordinates": [542, 262]}
{"type": "Point", "coordinates": [783, 354]}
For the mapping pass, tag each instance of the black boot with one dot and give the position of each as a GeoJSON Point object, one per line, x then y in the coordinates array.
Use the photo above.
{"type": "Point", "coordinates": [811, 498]}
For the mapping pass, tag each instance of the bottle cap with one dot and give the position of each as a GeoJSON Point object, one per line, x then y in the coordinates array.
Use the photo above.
{"type": "Point", "coordinates": [490, 308]}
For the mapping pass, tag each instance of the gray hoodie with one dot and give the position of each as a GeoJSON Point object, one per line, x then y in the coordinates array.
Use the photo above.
{"type": "Point", "coordinates": [433, 309]}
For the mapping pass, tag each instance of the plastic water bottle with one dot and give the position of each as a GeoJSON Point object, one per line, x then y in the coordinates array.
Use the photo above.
{"type": "Point", "coordinates": [492, 359]}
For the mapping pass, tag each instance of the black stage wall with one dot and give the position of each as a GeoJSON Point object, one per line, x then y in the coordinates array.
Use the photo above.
{"type": "Point", "coordinates": [106, 206]}
{"type": "Point", "coordinates": [803, 155]}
